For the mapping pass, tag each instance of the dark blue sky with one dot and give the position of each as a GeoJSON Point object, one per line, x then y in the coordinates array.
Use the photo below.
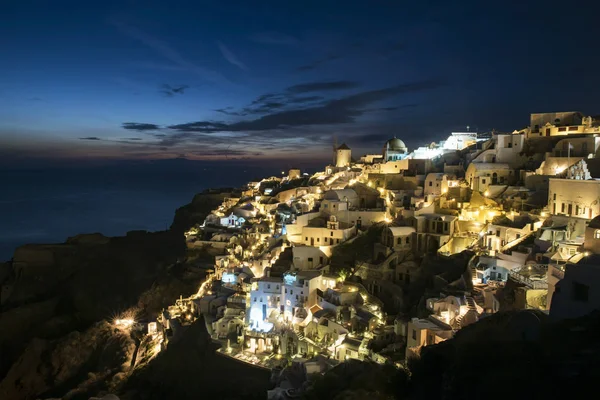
{"type": "Point", "coordinates": [277, 79]}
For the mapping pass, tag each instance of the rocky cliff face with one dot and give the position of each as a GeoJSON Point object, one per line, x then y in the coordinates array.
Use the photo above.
{"type": "Point", "coordinates": [70, 367]}
{"type": "Point", "coordinates": [51, 290]}
{"type": "Point", "coordinates": [55, 301]}
{"type": "Point", "coordinates": [195, 212]}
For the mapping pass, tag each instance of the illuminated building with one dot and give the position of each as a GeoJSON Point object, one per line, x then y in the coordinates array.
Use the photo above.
{"type": "Point", "coordinates": [394, 150]}
{"type": "Point", "coordinates": [342, 156]}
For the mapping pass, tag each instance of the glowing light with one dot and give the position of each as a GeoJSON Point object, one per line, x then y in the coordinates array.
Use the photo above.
{"type": "Point", "coordinates": [486, 193]}
{"type": "Point", "coordinates": [124, 323]}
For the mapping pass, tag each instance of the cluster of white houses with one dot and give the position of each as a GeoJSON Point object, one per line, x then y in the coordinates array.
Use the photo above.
{"type": "Point", "coordinates": [525, 205]}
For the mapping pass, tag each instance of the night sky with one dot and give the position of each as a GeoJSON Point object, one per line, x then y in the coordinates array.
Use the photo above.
{"type": "Point", "coordinates": [278, 79]}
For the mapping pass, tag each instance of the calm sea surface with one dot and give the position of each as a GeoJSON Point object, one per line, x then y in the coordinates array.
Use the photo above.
{"type": "Point", "coordinates": [48, 205]}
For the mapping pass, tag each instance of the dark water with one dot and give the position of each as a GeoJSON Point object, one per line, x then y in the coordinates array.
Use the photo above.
{"type": "Point", "coordinates": [47, 205]}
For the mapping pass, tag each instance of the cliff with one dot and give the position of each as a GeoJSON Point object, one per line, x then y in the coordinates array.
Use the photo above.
{"type": "Point", "coordinates": [70, 367]}
{"type": "Point", "coordinates": [195, 212]}
{"type": "Point", "coordinates": [58, 301]}
{"type": "Point", "coordinates": [52, 290]}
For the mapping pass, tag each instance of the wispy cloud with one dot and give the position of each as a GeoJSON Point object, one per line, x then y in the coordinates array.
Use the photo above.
{"type": "Point", "coordinates": [140, 127]}
{"type": "Point", "coordinates": [162, 48]}
{"type": "Point", "coordinates": [319, 62]}
{"type": "Point", "coordinates": [284, 124]}
{"type": "Point", "coordinates": [230, 57]}
{"type": "Point", "coordinates": [170, 91]}
{"type": "Point", "coordinates": [90, 138]}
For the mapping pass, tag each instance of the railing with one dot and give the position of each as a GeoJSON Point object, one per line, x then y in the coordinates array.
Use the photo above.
{"type": "Point", "coordinates": [516, 276]}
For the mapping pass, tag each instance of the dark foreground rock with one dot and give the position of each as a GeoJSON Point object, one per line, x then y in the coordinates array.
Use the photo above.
{"type": "Point", "coordinates": [71, 367]}
{"type": "Point", "coordinates": [51, 290]}
{"type": "Point", "coordinates": [190, 369]}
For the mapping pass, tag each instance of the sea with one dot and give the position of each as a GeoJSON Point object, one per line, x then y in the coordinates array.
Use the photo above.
{"type": "Point", "coordinates": [48, 204]}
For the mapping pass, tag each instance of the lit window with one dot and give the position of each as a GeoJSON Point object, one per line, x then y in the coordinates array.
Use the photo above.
{"type": "Point", "coordinates": [597, 234]}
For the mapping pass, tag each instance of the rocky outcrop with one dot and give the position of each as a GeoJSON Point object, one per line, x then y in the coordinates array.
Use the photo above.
{"type": "Point", "coordinates": [50, 293]}
{"type": "Point", "coordinates": [202, 204]}
{"type": "Point", "coordinates": [55, 289]}
{"type": "Point", "coordinates": [190, 369]}
{"type": "Point", "coordinates": [80, 360]}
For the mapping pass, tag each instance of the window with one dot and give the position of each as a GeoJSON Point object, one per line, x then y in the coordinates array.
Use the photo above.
{"type": "Point", "coordinates": [306, 238]}
{"type": "Point", "coordinates": [399, 241]}
{"type": "Point", "coordinates": [318, 240]}
{"type": "Point", "coordinates": [296, 297]}
{"type": "Point", "coordinates": [576, 210]}
{"type": "Point", "coordinates": [291, 291]}
{"type": "Point", "coordinates": [430, 183]}
{"type": "Point", "coordinates": [310, 259]}
{"type": "Point", "coordinates": [562, 208]}
{"type": "Point", "coordinates": [572, 128]}
{"type": "Point", "coordinates": [255, 299]}
{"type": "Point", "coordinates": [260, 300]}
{"type": "Point", "coordinates": [414, 334]}
{"type": "Point", "coordinates": [483, 181]}
{"type": "Point", "coordinates": [554, 197]}
{"type": "Point", "coordinates": [597, 234]}
{"type": "Point", "coordinates": [330, 233]}
{"type": "Point", "coordinates": [407, 240]}
{"type": "Point", "coordinates": [580, 292]}
{"type": "Point", "coordinates": [269, 286]}
{"type": "Point", "coordinates": [285, 290]}
{"type": "Point", "coordinates": [277, 287]}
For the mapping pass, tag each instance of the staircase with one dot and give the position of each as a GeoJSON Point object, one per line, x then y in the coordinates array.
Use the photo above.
{"type": "Point", "coordinates": [515, 242]}
{"type": "Point", "coordinates": [471, 303]}
{"type": "Point", "coordinates": [299, 333]}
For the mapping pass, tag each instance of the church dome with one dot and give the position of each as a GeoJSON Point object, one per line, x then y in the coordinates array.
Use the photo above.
{"type": "Point", "coordinates": [395, 144]}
